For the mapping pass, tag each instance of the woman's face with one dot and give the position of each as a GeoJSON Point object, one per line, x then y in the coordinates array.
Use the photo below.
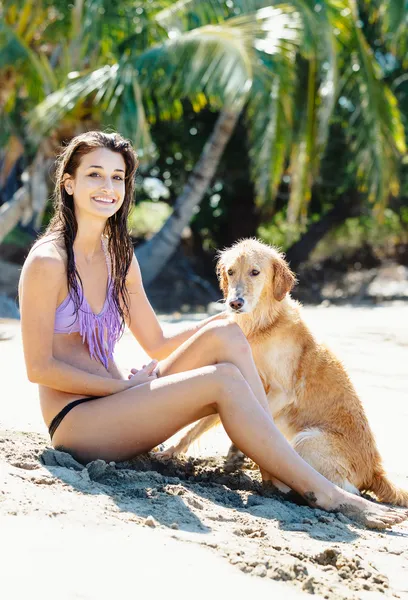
{"type": "Point", "coordinates": [99, 184]}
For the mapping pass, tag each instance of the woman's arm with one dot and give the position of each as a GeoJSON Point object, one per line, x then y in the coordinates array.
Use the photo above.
{"type": "Point", "coordinates": [144, 324]}
{"type": "Point", "coordinates": [41, 279]}
{"type": "Point", "coordinates": [61, 376]}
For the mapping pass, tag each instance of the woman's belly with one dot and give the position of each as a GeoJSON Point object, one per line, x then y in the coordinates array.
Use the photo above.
{"type": "Point", "coordinates": [70, 349]}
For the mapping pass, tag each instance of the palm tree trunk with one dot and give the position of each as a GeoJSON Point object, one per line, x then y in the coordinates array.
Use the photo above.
{"type": "Point", "coordinates": [28, 203]}
{"type": "Point", "coordinates": [155, 253]}
{"type": "Point", "coordinates": [39, 181]}
{"type": "Point", "coordinates": [11, 212]}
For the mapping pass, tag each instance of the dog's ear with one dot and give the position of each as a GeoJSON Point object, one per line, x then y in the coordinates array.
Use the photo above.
{"type": "Point", "coordinates": [222, 276]}
{"type": "Point", "coordinates": [283, 278]}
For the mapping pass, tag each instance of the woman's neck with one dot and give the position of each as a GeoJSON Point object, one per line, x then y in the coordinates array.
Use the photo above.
{"type": "Point", "coordinates": [87, 241]}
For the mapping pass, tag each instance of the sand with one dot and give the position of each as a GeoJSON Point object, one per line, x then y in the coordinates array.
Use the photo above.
{"type": "Point", "coordinates": [186, 526]}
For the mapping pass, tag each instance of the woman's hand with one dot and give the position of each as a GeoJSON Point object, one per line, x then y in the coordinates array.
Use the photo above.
{"type": "Point", "coordinates": [145, 374]}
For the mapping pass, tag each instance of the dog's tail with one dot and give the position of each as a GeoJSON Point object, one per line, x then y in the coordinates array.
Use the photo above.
{"type": "Point", "coordinates": [386, 491]}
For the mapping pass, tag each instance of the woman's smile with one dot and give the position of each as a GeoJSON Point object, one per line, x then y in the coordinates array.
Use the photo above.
{"type": "Point", "coordinates": [103, 199]}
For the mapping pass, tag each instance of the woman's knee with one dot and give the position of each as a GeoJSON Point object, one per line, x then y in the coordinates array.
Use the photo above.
{"type": "Point", "coordinates": [228, 371]}
{"type": "Point", "coordinates": [229, 381]}
{"type": "Point", "coordinates": [227, 335]}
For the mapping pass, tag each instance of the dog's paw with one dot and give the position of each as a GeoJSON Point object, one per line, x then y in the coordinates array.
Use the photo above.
{"type": "Point", "coordinates": [235, 459]}
{"type": "Point", "coordinates": [171, 452]}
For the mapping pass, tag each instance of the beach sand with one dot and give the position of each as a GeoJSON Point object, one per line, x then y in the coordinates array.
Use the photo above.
{"type": "Point", "coordinates": [185, 526]}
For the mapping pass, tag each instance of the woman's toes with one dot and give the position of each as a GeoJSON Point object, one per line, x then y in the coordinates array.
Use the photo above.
{"type": "Point", "coordinates": [392, 518]}
{"type": "Point", "coordinates": [384, 522]}
{"type": "Point", "coordinates": [397, 514]}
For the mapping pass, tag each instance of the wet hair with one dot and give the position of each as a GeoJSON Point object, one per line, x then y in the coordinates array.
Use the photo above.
{"type": "Point", "coordinates": [63, 225]}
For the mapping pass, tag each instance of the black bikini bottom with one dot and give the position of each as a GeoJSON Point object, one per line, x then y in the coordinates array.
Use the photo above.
{"type": "Point", "coordinates": [58, 418]}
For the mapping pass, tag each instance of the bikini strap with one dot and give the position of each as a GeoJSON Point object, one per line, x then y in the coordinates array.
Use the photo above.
{"type": "Point", "coordinates": [107, 255]}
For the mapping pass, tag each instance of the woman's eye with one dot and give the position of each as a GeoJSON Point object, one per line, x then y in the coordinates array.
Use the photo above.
{"type": "Point", "coordinates": [254, 272]}
{"type": "Point", "coordinates": [230, 272]}
{"type": "Point", "coordinates": [116, 177]}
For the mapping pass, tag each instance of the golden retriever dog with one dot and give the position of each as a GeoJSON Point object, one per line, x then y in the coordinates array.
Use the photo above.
{"type": "Point", "coordinates": [310, 395]}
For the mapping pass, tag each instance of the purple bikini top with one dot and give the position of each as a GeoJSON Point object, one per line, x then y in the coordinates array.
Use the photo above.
{"type": "Point", "coordinates": [92, 327]}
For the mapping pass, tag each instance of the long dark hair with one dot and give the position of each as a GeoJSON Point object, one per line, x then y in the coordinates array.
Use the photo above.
{"type": "Point", "coordinates": [64, 226]}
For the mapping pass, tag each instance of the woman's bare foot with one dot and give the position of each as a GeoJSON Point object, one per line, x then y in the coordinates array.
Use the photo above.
{"type": "Point", "coordinates": [374, 516]}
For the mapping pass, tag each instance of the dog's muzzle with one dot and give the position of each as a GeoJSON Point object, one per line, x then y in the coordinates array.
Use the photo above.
{"type": "Point", "coordinates": [237, 304]}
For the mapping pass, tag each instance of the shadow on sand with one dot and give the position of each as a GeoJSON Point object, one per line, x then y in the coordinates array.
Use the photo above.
{"type": "Point", "coordinates": [168, 490]}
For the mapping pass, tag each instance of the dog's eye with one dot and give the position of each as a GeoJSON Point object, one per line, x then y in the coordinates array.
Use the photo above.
{"type": "Point", "coordinates": [230, 272]}
{"type": "Point", "coordinates": [254, 273]}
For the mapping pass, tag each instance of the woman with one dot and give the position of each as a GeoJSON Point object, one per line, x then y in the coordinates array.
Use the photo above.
{"type": "Point", "coordinates": [79, 286]}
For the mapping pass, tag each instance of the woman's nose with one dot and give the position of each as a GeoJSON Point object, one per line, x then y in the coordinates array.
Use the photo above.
{"type": "Point", "coordinates": [107, 184]}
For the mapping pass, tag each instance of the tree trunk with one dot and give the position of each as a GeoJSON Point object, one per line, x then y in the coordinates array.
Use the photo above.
{"type": "Point", "coordinates": [348, 205]}
{"type": "Point", "coordinates": [28, 203]}
{"type": "Point", "coordinates": [155, 253]}
{"type": "Point", "coordinates": [11, 212]}
{"type": "Point", "coordinates": [39, 171]}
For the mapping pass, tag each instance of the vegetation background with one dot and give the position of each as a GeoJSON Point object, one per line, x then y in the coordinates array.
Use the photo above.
{"type": "Point", "coordinates": [282, 120]}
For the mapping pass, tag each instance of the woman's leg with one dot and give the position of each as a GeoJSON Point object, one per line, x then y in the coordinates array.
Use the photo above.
{"type": "Point", "coordinates": [220, 341]}
{"type": "Point", "coordinates": [122, 425]}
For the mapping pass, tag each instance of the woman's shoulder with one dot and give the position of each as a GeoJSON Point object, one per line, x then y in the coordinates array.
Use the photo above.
{"type": "Point", "coordinates": [47, 255]}
{"type": "Point", "coordinates": [134, 274]}
{"type": "Point", "coordinates": [49, 246]}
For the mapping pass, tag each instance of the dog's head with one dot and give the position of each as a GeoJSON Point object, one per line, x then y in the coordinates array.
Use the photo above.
{"type": "Point", "coordinates": [249, 270]}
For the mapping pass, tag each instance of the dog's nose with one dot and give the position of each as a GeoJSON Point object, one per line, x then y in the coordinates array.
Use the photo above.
{"type": "Point", "coordinates": [237, 304]}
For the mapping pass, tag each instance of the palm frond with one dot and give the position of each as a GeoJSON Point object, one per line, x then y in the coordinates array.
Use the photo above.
{"type": "Point", "coordinates": [380, 138]}
{"type": "Point", "coordinates": [109, 28]}
{"type": "Point", "coordinates": [303, 153]}
{"type": "Point", "coordinates": [309, 131]}
{"type": "Point", "coordinates": [56, 106]}
{"type": "Point", "coordinates": [14, 51]}
{"type": "Point", "coordinates": [184, 15]}
{"type": "Point", "coordinates": [219, 60]}
{"type": "Point", "coordinates": [270, 119]}
{"type": "Point", "coordinates": [117, 93]}
{"type": "Point", "coordinates": [215, 62]}
{"type": "Point", "coordinates": [394, 15]}
{"type": "Point", "coordinates": [124, 108]}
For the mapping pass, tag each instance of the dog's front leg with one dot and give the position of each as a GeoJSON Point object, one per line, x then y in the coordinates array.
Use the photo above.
{"type": "Point", "coordinates": [191, 436]}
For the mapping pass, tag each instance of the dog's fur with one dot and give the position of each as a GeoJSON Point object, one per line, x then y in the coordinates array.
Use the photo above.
{"type": "Point", "coordinates": [311, 397]}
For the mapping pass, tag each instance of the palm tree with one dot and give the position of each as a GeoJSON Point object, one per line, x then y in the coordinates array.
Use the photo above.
{"type": "Point", "coordinates": [41, 45]}
{"type": "Point", "coordinates": [211, 64]}
{"type": "Point", "coordinates": [368, 115]}
{"type": "Point", "coordinates": [253, 62]}
{"type": "Point", "coordinates": [291, 135]}
{"type": "Point", "coordinates": [154, 254]}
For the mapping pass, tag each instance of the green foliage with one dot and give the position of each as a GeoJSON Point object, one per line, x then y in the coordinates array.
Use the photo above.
{"type": "Point", "coordinates": [147, 217]}
{"type": "Point", "coordinates": [381, 237]}
{"type": "Point", "coordinates": [19, 238]}
{"type": "Point", "coordinates": [346, 239]}
{"type": "Point", "coordinates": [280, 232]}
{"type": "Point", "coordinates": [208, 65]}
{"type": "Point", "coordinates": [323, 83]}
